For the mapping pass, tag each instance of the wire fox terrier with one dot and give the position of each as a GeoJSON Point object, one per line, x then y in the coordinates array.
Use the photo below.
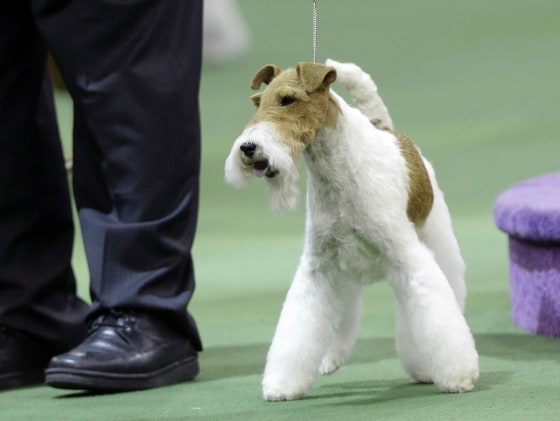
{"type": "Point", "coordinates": [374, 211]}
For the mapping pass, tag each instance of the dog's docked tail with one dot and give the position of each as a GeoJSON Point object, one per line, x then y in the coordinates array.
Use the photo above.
{"type": "Point", "coordinates": [363, 91]}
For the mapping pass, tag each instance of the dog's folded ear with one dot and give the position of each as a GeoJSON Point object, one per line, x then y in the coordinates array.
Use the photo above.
{"type": "Point", "coordinates": [315, 76]}
{"type": "Point", "coordinates": [265, 75]}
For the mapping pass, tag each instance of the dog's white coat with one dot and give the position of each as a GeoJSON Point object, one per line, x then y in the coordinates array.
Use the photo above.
{"type": "Point", "coordinates": [357, 231]}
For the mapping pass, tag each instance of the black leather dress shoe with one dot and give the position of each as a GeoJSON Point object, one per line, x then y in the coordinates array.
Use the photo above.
{"type": "Point", "coordinates": [125, 351]}
{"type": "Point", "coordinates": [22, 359]}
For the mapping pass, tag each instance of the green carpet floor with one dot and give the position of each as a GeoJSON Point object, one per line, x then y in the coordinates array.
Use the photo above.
{"type": "Point", "coordinates": [476, 85]}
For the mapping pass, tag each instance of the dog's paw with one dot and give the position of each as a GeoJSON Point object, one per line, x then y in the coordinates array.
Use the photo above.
{"type": "Point", "coordinates": [281, 386]}
{"type": "Point", "coordinates": [459, 383]}
{"type": "Point", "coordinates": [459, 377]}
{"type": "Point", "coordinates": [276, 395]}
{"type": "Point", "coordinates": [330, 364]}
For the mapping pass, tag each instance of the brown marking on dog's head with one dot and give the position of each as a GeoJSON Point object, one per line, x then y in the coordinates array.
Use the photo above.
{"type": "Point", "coordinates": [420, 191]}
{"type": "Point", "coordinates": [265, 75]}
{"type": "Point", "coordinates": [297, 101]}
{"type": "Point", "coordinates": [314, 76]}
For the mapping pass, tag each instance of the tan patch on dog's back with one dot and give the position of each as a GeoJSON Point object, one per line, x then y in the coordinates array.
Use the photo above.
{"type": "Point", "coordinates": [420, 192]}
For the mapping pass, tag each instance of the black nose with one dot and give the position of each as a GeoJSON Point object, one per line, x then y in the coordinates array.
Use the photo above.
{"type": "Point", "coordinates": [248, 148]}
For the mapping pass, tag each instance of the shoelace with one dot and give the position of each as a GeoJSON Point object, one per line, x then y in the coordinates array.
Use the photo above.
{"type": "Point", "coordinates": [113, 318]}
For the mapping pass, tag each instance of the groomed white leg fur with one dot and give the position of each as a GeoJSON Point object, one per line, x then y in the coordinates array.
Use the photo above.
{"type": "Point", "coordinates": [374, 211]}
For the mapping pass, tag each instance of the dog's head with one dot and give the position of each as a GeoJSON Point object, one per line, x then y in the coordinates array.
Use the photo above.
{"type": "Point", "coordinates": [295, 104]}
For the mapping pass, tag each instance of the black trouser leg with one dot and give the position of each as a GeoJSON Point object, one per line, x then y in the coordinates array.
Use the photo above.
{"type": "Point", "coordinates": [133, 71]}
{"type": "Point", "coordinates": [37, 287]}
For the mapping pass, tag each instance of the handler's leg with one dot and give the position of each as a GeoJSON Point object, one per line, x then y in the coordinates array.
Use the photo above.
{"type": "Point", "coordinates": [133, 71]}
{"type": "Point", "coordinates": [40, 314]}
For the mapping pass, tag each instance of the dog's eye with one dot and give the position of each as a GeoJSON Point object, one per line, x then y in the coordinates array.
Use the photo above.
{"type": "Point", "coordinates": [287, 100]}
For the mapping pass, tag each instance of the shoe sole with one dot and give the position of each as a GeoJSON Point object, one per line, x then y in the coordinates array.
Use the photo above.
{"type": "Point", "coordinates": [65, 378]}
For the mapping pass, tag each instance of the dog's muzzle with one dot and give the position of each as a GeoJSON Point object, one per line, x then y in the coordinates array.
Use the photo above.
{"type": "Point", "coordinates": [261, 165]}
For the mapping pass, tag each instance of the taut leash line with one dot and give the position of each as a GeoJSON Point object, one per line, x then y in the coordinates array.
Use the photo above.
{"type": "Point", "coordinates": [314, 31]}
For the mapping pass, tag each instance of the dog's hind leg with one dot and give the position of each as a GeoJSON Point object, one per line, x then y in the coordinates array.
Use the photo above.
{"type": "Point", "coordinates": [345, 331]}
{"type": "Point", "coordinates": [437, 233]}
{"type": "Point", "coordinates": [305, 331]}
{"type": "Point", "coordinates": [434, 341]}
{"type": "Point", "coordinates": [411, 360]}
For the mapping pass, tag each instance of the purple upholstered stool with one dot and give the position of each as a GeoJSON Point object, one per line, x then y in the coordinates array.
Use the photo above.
{"type": "Point", "coordinates": [529, 212]}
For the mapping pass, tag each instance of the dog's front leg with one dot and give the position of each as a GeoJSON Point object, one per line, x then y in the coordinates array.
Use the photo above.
{"type": "Point", "coordinates": [303, 335]}
{"type": "Point", "coordinates": [346, 329]}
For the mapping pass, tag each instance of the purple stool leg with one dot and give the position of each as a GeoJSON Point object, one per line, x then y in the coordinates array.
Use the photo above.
{"type": "Point", "coordinates": [535, 286]}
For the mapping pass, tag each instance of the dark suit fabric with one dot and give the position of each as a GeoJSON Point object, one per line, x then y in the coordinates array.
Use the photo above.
{"type": "Point", "coordinates": [132, 69]}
